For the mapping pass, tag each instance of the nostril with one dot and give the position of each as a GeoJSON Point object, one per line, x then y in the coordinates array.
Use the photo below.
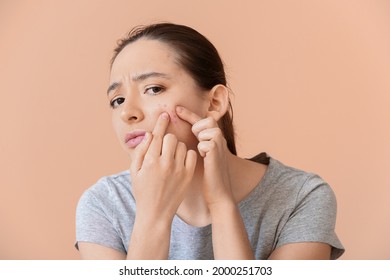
{"type": "Point", "coordinates": [131, 114]}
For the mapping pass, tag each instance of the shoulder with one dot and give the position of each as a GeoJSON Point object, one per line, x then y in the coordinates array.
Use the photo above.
{"type": "Point", "coordinates": [309, 205]}
{"type": "Point", "coordinates": [294, 184]}
{"type": "Point", "coordinates": [106, 190]}
{"type": "Point", "coordinates": [298, 198]}
{"type": "Point", "coordinates": [99, 209]}
{"type": "Point", "coordinates": [108, 184]}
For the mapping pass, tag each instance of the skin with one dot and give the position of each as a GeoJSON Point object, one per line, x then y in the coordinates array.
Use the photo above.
{"type": "Point", "coordinates": [183, 166]}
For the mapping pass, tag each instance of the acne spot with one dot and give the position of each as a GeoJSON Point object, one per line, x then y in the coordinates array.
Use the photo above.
{"type": "Point", "coordinates": [172, 114]}
{"type": "Point", "coordinates": [174, 117]}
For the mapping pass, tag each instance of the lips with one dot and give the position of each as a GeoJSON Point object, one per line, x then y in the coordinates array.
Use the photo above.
{"type": "Point", "coordinates": [133, 138]}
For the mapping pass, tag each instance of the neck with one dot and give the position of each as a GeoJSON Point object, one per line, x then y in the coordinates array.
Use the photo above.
{"type": "Point", "coordinates": [194, 208]}
{"type": "Point", "coordinates": [244, 177]}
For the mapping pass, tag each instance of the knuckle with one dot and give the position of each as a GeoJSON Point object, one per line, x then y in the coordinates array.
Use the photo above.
{"type": "Point", "coordinates": [210, 121]}
{"type": "Point", "coordinates": [166, 166]}
{"type": "Point", "coordinates": [194, 129]}
{"type": "Point", "coordinates": [165, 162]}
{"type": "Point", "coordinates": [149, 161]}
{"type": "Point", "coordinates": [218, 132]}
{"type": "Point", "coordinates": [201, 135]}
{"type": "Point", "coordinates": [200, 145]}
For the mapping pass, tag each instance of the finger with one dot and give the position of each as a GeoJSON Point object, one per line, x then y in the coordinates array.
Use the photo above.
{"type": "Point", "coordinates": [205, 147]}
{"type": "Point", "coordinates": [190, 161]}
{"type": "Point", "coordinates": [180, 154]}
{"type": "Point", "coordinates": [210, 133]}
{"type": "Point", "coordinates": [158, 134]}
{"type": "Point", "coordinates": [161, 124]}
{"type": "Point", "coordinates": [187, 115]}
{"type": "Point", "coordinates": [169, 147]}
{"type": "Point", "coordinates": [139, 153]}
{"type": "Point", "coordinates": [202, 125]}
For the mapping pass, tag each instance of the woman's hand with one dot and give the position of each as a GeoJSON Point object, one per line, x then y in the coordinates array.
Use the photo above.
{"type": "Point", "coordinates": [230, 240]}
{"type": "Point", "coordinates": [161, 171]}
{"type": "Point", "coordinates": [212, 147]}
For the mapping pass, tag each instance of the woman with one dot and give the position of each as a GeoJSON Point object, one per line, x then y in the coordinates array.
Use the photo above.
{"type": "Point", "coordinates": [187, 194]}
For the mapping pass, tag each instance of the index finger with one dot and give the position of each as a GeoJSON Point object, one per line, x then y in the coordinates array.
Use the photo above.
{"type": "Point", "coordinates": [161, 125]}
{"type": "Point", "coordinates": [158, 134]}
{"type": "Point", "coordinates": [187, 115]}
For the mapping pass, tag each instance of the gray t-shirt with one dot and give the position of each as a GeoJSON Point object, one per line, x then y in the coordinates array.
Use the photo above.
{"type": "Point", "coordinates": [288, 205]}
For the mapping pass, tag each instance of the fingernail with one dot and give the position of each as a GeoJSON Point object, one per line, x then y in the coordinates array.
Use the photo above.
{"type": "Point", "coordinates": [179, 109]}
{"type": "Point", "coordinates": [165, 116]}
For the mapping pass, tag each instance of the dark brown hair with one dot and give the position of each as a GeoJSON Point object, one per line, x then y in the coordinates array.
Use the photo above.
{"type": "Point", "coordinates": [196, 54]}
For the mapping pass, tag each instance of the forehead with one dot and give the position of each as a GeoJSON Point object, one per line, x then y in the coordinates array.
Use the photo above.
{"type": "Point", "coordinates": [145, 55]}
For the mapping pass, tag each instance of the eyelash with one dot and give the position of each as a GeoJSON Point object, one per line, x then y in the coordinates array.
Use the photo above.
{"type": "Point", "coordinates": [154, 87]}
{"type": "Point", "coordinates": [114, 103]}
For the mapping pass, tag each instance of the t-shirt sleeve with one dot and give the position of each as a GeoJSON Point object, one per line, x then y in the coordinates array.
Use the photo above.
{"type": "Point", "coordinates": [94, 219]}
{"type": "Point", "coordinates": [313, 218]}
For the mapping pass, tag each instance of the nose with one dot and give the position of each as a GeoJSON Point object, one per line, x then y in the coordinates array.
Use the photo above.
{"type": "Point", "coordinates": [131, 110]}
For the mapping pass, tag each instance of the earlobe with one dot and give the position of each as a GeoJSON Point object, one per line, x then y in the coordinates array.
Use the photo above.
{"type": "Point", "coordinates": [219, 102]}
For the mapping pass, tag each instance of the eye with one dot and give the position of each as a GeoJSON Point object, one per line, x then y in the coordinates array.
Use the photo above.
{"type": "Point", "coordinates": [154, 90]}
{"type": "Point", "coordinates": [116, 102]}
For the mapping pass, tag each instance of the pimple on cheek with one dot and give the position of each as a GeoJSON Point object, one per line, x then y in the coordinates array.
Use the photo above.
{"type": "Point", "coordinates": [162, 106]}
{"type": "Point", "coordinates": [174, 117]}
{"type": "Point", "coordinates": [172, 114]}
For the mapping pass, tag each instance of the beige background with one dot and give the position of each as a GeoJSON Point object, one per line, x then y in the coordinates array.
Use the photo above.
{"type": "Point", "coordinates": [312, 88]}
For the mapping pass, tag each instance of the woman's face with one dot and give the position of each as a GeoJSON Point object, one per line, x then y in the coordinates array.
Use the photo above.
{"type": "Point", "coordinates": [145, 81]}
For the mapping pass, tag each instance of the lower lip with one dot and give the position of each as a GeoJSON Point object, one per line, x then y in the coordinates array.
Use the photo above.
{"type": "Point", "coordinates": [132, 143]}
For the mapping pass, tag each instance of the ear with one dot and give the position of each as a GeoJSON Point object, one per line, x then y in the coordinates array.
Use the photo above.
{"type": "Point", "coordinates": [219, 102]}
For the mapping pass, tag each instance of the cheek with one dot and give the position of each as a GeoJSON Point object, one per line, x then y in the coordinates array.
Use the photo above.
{"type": "Point", "coordinates": [177, 126]}
{"type": "Point", "coordinates": [170, 109]}
{"type": "Point", "coordinates": [115, 123]}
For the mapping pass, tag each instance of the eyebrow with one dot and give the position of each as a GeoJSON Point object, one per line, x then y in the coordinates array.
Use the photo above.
{"type": "Point", "coordinates": [144, 76]}
{"type": "Point", "coordinates": [113, 86]}
{"type": "Point", "coordinates": [139, 77]}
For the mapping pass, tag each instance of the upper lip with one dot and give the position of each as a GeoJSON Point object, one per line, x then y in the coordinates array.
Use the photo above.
{"type": "Point", "coordinates": [133, 134]}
